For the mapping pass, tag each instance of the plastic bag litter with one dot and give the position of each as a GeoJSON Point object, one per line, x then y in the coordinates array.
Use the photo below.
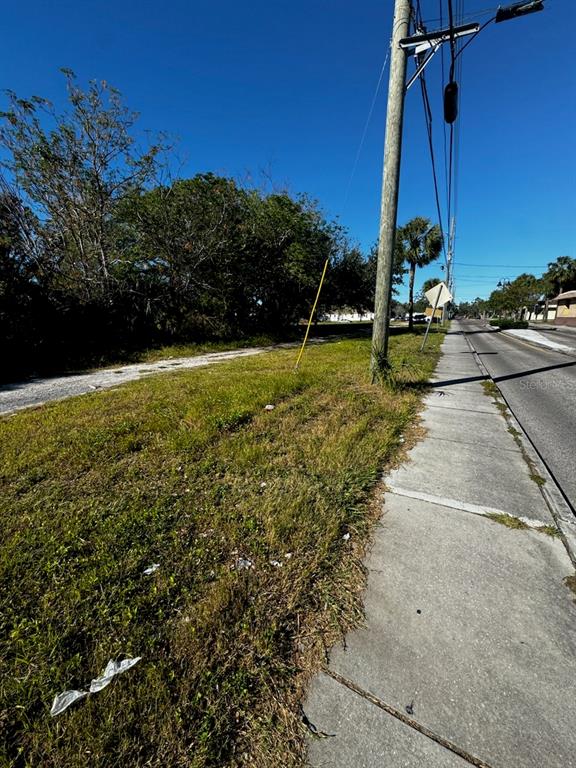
{"type": "Point", "coordinates": [243, 564]}
{"type": "Point", "coordinates": [63, 700]}
{"type": "Point", "coordinates": [346, 537]}
{"type": "Point", "coordinates": [113, 668]}
{"type": "Point", "coordinates": [269, 407]}
{"type": "Point", "coordinates": [151, 569]}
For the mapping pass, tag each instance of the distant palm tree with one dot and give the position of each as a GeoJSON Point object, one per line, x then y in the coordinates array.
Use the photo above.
{"type": "Point", "coordinates": [561, 274]}
{"type": "Point", "coordinates": [421, 243]}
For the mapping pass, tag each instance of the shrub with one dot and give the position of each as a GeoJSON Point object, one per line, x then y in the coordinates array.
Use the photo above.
{"type": "Point", "coordinates": [505, 323]}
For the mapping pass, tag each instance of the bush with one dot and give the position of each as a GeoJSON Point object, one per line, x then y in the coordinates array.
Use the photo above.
{"type": "Point", "coordinates": [505, 323]}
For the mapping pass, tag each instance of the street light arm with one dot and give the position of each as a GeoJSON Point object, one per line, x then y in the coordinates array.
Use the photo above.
{"type": "Point", "coordinates": [518, 9]}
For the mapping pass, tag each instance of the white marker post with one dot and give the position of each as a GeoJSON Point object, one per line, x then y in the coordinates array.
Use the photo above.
{"type": "Point", "coordinates": [437, 296]}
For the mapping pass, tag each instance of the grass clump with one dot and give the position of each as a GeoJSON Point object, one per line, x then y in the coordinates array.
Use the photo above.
{"type": "Point", "coordinates": [519, 525]}
{"type": "Point", "coordinates": [538, 479]}
{"type": "Point", "coordinates": [570, 582]}
{"type": "Point", "coordinates": [509, 521]}
{"type": "Point", "coordinates": [190, 471]}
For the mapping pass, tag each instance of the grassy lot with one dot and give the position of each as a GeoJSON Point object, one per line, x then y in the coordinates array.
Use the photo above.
{"type": "Point", "coordinates": [190, 471]}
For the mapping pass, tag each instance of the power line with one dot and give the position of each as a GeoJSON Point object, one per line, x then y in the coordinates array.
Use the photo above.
{"type": "Point", "coordinates": [366, 126]}
{"type": "Point", "coordinates": [428, 119]}
{"type": "Point", "coordinates": [504, 266]}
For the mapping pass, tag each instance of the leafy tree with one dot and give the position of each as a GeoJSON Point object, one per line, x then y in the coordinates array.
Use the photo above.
{"type": "Point", "coordinates": [513, 297]}
{"type": "Point", "coordinates": [349, 282]}
{"type": "Point", "coordinates": [72, 169]}
{"type": "Point", "coordinates": [96, 259]}
{"type": "Point", "coordinates": [476, 308]}
{"type": "Point", "coordinates": [188, 244]}
{"type": "Point", "coordinates": [420, 243]}
{"type": "Point", "coordinates": [524, 291]}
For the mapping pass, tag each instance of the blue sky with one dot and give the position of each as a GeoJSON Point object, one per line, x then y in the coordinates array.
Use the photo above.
{"type": "Point", "coordinates": [282, 89]}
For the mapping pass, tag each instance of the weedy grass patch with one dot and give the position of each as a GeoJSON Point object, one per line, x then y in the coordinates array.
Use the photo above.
{"type": "Point", "coordinates": [245, 510]}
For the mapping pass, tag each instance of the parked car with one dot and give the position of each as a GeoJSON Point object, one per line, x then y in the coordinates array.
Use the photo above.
{"type": "Point", "coordinates": [418, 317]}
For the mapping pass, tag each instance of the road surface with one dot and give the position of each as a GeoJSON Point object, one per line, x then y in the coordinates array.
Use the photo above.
{"type": "Point", "coordinates": [540, 387]}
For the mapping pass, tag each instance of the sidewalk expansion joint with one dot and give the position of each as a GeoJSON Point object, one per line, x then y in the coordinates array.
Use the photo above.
{"type": "Point", "coordinates": [409, 721]}
{"type": "Point", "coordinates": [461, 506]}
{"type": "Point", "coordinates": [455, 408]}
{"type": "Point", "coordinates": [475, 443]}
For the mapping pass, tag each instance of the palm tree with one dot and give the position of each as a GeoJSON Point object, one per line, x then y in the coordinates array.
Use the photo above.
{"type": "Point", "coordinates": [421, 243]}
{"type": "Point", "coordinates": [561, 274]}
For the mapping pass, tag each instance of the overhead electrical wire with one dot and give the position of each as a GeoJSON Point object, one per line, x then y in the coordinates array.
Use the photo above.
{"type": "Point", "coordinates": [366, 126]}
{"type": "Point", "coordinates": [428, 119]}
{"type": "Point", "coordinates": [418, 24]}
{"type": "Point", "coordinates": [442, 66]}
{"type": "Point", "coordinates": [504, 266]}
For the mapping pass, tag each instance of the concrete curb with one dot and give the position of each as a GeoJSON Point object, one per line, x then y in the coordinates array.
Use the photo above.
{"type": "Point", "coordinates": [554, 498]}
{"type": "Point", "coordinates": [568, 351]}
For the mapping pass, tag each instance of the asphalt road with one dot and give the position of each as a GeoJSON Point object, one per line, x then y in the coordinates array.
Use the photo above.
{"type": "Point", "coordinates": [540, 387]}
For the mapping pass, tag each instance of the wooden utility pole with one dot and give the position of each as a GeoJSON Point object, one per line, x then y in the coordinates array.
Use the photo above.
{"type": "Point", "coordinates": [390, 184]}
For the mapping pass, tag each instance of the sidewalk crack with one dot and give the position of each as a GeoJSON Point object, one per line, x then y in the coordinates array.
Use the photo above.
{"type": "Point", "coordinates": [409, 721]}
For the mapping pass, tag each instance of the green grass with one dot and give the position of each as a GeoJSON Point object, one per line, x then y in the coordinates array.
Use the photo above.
{"type": "Point", "coordinates": [509, 521]}
{"type": "Point", "coordinates": [570, 582]}
{"type": "Point", "coordinates": [519, 525]}
{"type": "Point", "coordinates": [190, 471]}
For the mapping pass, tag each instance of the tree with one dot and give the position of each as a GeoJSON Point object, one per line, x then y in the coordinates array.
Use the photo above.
{"type": "Point", "coordinates": [348, 282]}
{"type": "Point", "coordinates": [430, 283]}
{"type": "Point", "coordinates": [513, 297]}
{"type": "Point", "coordinates": [290, 242]}
{"type": "Point", "coordinates": [420, 243]}
{"type": "Point", "coordinates": [476, 308]}
{"type": "Point", "coordinates": [421, 300]}
{"type": "Point", "coordinates": [72, 169]}
{"type": "Point", "coordinates": [524, 291]}
{"type": "Point", "coordinates": [188, 241]}
{"type": "Point", "coordinates": [560, 276]}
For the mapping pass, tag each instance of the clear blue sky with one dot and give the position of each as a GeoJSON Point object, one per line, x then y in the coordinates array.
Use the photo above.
{"type": "Point", "coordinates": [285, 87]}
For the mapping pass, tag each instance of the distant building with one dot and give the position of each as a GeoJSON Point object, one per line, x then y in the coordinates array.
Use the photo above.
{"type": "Point", "coordinates": [437, 313]}
{"type": "Point", "coordinates": [544, 310]}
{"type": "Point", "coordinates": [566, 308]}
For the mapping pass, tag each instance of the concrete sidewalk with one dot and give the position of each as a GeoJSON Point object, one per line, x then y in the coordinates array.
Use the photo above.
{"type": "Point", "coordinates": [468, 653]}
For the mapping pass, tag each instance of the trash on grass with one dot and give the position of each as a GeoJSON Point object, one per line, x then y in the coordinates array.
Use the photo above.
{"type": "Point", "coordinates": [276, 563]}
{"type": "Point", "coordinates": [151, 569]}
{"type": "Point", "coordinates": [269, 407]}
{"type": "Point", "coordinates": [346, 537]}
{"type": "Point", "coordinates": [263, 484]}
{"type": "Point", "coordinates": [243, 564]}
{"type": "Point", "coordinates": [113, 668]}
{"type": "Point", "coordinates": [64, 700]}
